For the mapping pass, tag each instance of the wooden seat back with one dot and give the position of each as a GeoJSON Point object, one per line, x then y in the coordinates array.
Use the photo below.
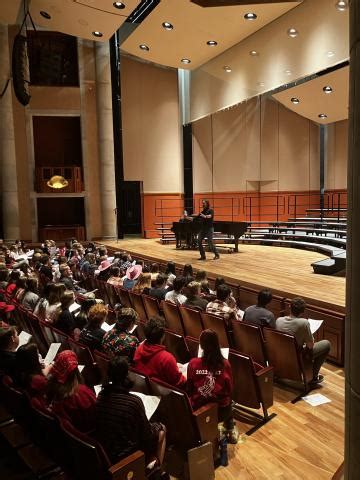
{"type": "Point", "coordinates": [89, 460]}
{"type": "Point", "coordinates": [112, 294]}
{"type": "Point", "coordinates": [151, 306]}
{"type": "Point", "coordinates": [124, 297]}
{"type": "Point", "coordinates": [218, 325]}
{"type": "Point", "coordinates": [138, 305]}
{"type": "Point", "coordinates": [193, 346]}
{"type": "Point", "coordinates": [140, 382]}
{"type": "Point", "coordinates": [285, 357]}
{"type": "Point", "coordinates": [191, 321]}
{"type": "Point", "coordinates": [173, 318]}
{"type": "Point", "coordinates": [90, 373]}
{"type": "Point", "coordinates": [253, 384]}
{"type": "Point", "coordinates": [248, 339]}
{"type": "Point", "coordinates": [185, 428]}
{"type": "Point", "coordinates": [176, 345]}
{"type": "Point", "coordinates": [102, 362]}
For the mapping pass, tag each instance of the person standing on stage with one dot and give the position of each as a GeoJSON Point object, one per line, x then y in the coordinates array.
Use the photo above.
{"type": "Point", "coordinates": [207, 230]}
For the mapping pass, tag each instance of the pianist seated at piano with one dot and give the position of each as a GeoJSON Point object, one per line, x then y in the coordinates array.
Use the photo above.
{"type": "Point", "coordinates": [189, 226]}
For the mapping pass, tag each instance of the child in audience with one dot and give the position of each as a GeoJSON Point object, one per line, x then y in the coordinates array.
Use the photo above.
{"type": "Point", "coordinates": [32, 375]}
{"type": "Point", "coordinates": [143, 284]}
{"type": "Point", "coordinates": [121, 423]}
{"type": "Point", "coordinates": [209, 379]}
{"type": "Point", "coordinates": [66, 395]}
{"type": "Point", "coordinates": [119, 340]}
{"type": "Point", "coordinates": [151, 357]}
{"type": "Point", "coordinates": [92, 334]}
{"type": "Point", "coordinates": [9, 341]}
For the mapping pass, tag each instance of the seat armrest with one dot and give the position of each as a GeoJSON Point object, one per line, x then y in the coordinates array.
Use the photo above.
{"type": "Point", "coordinates": [133, 466]}
{"type": "Point", "coordinates": [265, 382]}
{"type": "Point", "coordinates": [206, 419]}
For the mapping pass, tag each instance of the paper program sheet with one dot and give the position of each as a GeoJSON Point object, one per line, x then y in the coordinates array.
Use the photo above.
{"type": "Point", "coordinates": [150, 403]}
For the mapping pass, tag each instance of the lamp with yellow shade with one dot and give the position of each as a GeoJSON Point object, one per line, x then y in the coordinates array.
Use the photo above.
{"type": "Point", "coordinates": [57, 182]}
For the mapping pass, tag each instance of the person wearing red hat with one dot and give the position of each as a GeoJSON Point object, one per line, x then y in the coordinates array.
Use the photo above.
{"type": "Point", "coordinates": [67, 396]}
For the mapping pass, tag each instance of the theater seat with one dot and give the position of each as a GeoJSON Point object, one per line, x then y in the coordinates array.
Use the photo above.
{"type": "Point", "coordinates": [89, 460]}
{"type": "Point", "coordinates": [253, 388]}
{"type": "Point", "coordinates": [186, 428]}
{"type": "Point", "coordinates": [288, 360]}
{"type": "Point", "coordinates": [248, 339]}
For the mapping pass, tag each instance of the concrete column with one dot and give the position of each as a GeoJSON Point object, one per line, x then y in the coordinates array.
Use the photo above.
{"type": "Point", "coordinates": [352, 330]}
{"type": "Point", "coordinates": [105, 139]}
{"type": "Point", "coordinates": [8, 173]}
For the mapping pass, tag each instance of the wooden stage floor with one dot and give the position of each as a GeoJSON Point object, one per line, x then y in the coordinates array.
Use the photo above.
{"type": "Point", "coordinates": [285, 270]}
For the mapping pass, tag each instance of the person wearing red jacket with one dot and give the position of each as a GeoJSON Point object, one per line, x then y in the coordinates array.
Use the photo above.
{"type": "Point", "coordinates": [209, 379]}
{"type": "Point", "coordinates": [152, 359]}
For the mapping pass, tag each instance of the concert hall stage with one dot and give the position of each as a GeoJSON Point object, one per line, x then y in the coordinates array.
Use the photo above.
{"type": "Point", "coordinates": [287, 271]}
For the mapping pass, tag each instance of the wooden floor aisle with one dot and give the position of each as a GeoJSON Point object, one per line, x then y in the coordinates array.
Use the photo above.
{"type": "Point", "coordinates": [301, 443]}
{"type": "Point", "coordinates": [286, 270]}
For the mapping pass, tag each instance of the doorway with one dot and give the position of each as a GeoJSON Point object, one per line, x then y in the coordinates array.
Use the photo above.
{"type": "Point", "coordinates": [130, 208]}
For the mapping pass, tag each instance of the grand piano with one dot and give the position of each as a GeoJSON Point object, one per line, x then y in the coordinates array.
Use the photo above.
{"type": "Point", "coordinates": [188, 231]}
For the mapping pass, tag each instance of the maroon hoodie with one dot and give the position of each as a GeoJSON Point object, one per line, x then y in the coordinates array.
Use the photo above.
{"type": "Point", "coordinates": [154, 361]}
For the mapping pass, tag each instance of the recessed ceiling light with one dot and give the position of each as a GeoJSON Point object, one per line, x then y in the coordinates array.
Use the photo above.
{"type": "Point", "coordinates": [45, 15]}
{"type": "Point", "coordinates": [167, 25]}
{"type": "Point", "coordinates": [292, 32]}
{"type": "Point", "coordinates": [322, 115]}
{"type": "Point", "coordinates": [341, 5]}
{"type": "Point", "coordinates": [295, 101]}
{"type": "Point", "coordinates": [250, 16]}
{"type": "Point", "coordinates": [330, 53]}
{"type": "Point", "coordinates": [119, 5]}
{"type": "Point", "coordinates": [144, 47]}
{"type": "Point", "coordinates": [211, 43]}
{"type": "Point", "coordinates": [327, 89]}
{"type": "Point", "coordinates": [227, 69]}
{"type": "Point", "coordinates": [97, 34]}
{"type": "Point", "coordinates": [185, 60]}
{"type": "Point", "coordinates": [253, 53]}
{"type": "Point", "coordinates": [287, 72]}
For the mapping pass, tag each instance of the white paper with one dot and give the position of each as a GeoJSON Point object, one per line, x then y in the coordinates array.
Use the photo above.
{"type": "Point", "coordinates": [97, 389]}
{"type": "Point", "coordinates": [314, 325]}
{"type": "Point", "coordinates": [183, 368]}
{"type": "Point", "coordinates": [224, 351]}
{"type": "Point", "coordinates": [30, 253]}
{"type": "Point", "coordinates": [75, 306]}
{"type": "Point", "coordinates": [51, 354]}
{"type": "Point", "coordinates": [81, 368]}
{"type": "Point", "coordinates": [316, 399]}
{"type": "Point", "coordinates": [24, 337]}
{"type": "Point", "coordinates": [150, 403]}
{"type": "Point", "coordinates": [106, 327]}
{"type": "Point", "coordinates": [110, 259]}
{"type": "Point", "coordinates": [133, 329]}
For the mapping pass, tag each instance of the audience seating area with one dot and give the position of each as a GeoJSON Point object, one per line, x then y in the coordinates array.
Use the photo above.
{"type": "Point", "coordinates": [53, 448]}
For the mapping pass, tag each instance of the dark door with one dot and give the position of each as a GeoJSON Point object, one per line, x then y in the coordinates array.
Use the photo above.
{"type": "Point", "coordinates": [130, 208]}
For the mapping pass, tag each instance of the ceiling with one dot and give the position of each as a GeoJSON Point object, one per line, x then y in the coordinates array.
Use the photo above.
{"type": "Point", "coordinates": [9, 11]}
{"type": "Point", "coordinates": [81, 17]}
{"type": "Point", "coordinates": [193, 27]}
{"type": "Point", "coordinates": [313, 101]}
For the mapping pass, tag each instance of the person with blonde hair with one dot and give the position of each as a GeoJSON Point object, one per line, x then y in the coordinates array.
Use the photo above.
{"type": "Point", "coordinates": [143, 284]}
{"type": "Point", "coordinates": [92, 334]}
